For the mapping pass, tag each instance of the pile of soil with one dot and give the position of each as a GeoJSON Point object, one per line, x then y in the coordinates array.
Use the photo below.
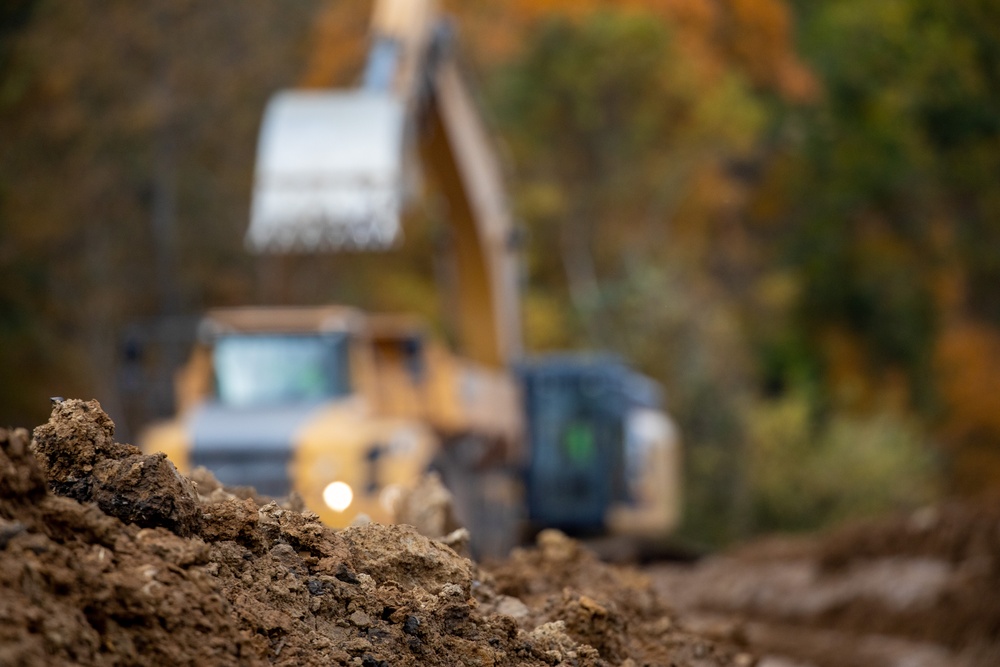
{"type": "Point", "coordinates": [613, 609]}
{"type": "Point", "coordinates": [111, 557]}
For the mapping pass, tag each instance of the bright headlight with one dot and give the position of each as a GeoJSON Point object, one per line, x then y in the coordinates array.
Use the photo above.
{"type": "Point", "coordinates": [338, 496]}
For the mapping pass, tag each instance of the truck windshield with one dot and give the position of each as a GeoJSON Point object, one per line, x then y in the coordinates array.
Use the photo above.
{"type": "Point", "coordinates": [257, 370]}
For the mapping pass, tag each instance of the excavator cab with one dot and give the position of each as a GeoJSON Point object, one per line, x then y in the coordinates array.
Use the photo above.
{"type": "Point", "coordinates": [602, 452]}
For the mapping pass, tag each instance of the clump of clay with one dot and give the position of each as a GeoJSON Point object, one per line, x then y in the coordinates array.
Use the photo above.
{"type": "Point", "coordinates": [20, 475]}
{"type": "Point", "coordinates": [81, 459]}
{"type": "Point", "coordinates": [400, 554]}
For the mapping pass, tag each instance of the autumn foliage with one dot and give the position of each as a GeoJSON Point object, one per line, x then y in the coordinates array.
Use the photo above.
{"type": "Point", "coordinates": [784, 211]}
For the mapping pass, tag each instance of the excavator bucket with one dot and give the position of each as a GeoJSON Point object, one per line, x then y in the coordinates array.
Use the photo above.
{"type": "Point", "coordinates": [329, 173]}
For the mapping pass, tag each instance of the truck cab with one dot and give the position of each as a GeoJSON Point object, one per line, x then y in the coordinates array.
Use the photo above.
{"type": "Point", "coordinates": [343, 407]}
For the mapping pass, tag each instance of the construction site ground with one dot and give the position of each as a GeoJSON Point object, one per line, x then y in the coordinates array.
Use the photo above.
{"type": "Point", "coordinates": [110, 557]}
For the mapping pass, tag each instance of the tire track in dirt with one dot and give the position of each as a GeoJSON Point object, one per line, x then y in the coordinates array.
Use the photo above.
{"type": "Point", "coordinates": [916, 590]}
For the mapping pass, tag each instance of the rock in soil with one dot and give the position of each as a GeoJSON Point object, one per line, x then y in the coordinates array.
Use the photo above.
{"type": "Point", "coordinates": [109, 557]}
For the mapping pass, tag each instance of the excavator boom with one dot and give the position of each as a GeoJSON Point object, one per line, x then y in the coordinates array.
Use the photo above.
{"type": "Point", "coordinates": [333, 172]}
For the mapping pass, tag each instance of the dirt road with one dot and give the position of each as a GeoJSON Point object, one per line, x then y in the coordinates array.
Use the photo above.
{"type": "Point", "coordinates": [920, 590]}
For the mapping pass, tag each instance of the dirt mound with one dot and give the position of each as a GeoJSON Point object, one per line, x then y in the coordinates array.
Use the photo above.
{"type": "Point", "coordinates": [613, 609]}
{"type": "Point", "coordinates": [109, 557]}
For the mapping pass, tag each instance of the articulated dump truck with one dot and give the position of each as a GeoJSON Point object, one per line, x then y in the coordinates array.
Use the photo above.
{"type": "Point", "coordinates": [346, 409]}
{"type": "Point", "coordinates": [349, 409]}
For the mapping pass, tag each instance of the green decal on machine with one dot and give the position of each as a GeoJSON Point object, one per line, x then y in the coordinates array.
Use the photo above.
{"type": "Point", "coordinates": [578, 442]}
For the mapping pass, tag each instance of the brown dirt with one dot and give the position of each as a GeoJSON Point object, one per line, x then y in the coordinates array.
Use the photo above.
{"type": "Point", "coordinates": [613, 609]}
{"type": "Point", "coordinates": [915, 589]}
{"type": "Point", "coordinates": [109, 557]}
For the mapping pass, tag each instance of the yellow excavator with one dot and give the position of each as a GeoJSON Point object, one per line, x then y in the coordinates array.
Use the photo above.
{"type": "Point", "coordinates": [348, 408]}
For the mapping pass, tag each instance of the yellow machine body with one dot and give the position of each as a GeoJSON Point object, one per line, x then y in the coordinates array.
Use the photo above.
{"type": "Point", "coordinates": [332, 174]}
{"type": "Point", "coordinates": [408, 397]}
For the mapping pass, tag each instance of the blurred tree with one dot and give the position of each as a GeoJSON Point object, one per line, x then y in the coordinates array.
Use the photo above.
{"type": "Point", "coordinates": [891, 217]}
{"type": "Point", "coordinates": [804, 476]}
{"type": "Point", "coordinates": [14, 15]}
{"type": "Point", "coordinates": [624, 148]}
{"type": "Point", "coordinates": [114, 164]}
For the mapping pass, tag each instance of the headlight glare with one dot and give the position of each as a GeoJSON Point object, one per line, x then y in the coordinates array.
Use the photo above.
{"type": "Point", "coordinates": [338, 496]}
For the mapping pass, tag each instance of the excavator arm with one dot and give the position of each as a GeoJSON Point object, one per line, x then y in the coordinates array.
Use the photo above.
{"type": "Point", "coordinates": [456, 149]}
{"type": "Point", "coordinates": [332, 172]}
